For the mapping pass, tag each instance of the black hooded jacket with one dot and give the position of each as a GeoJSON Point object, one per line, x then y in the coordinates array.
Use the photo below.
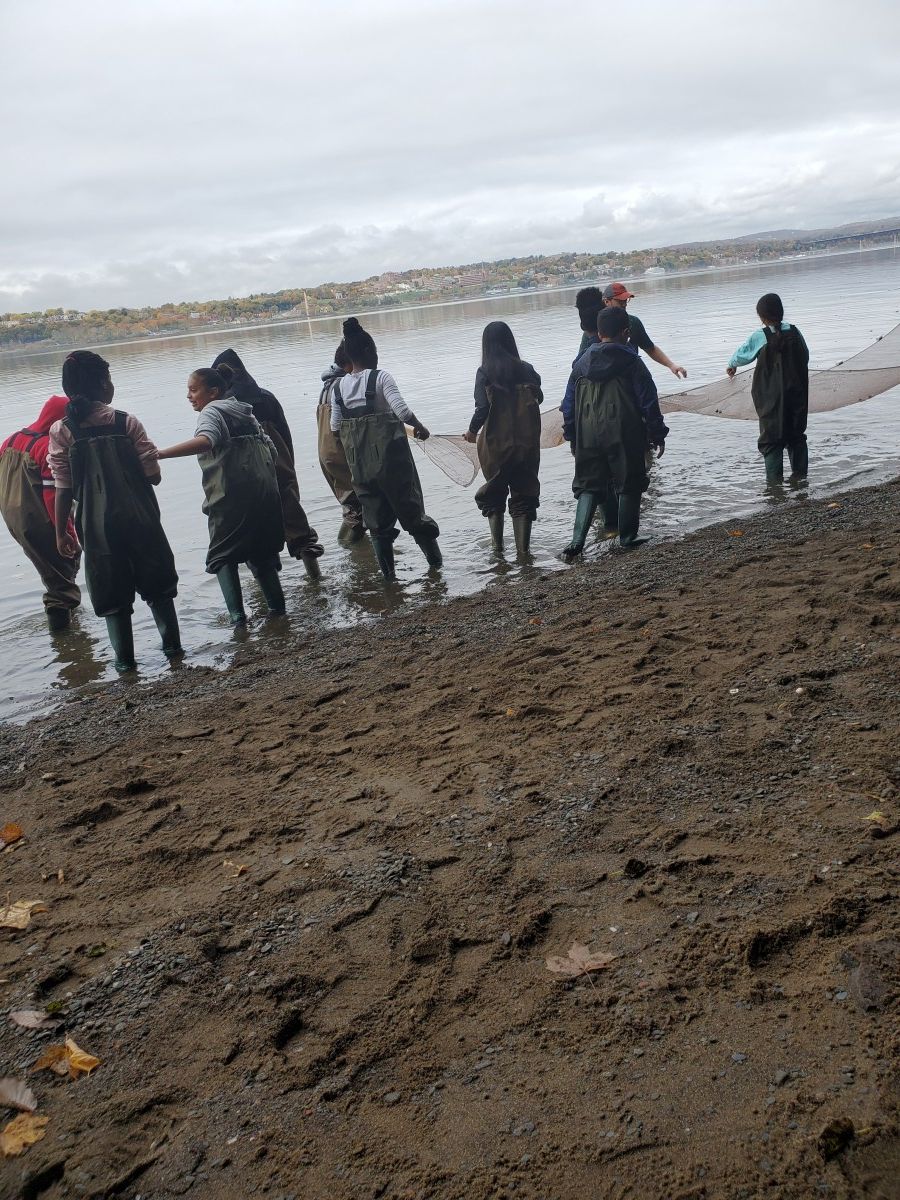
{"type": "Point", "coordinates": [605, 361]}
{"type": "Point", "coordinates": [265, 407]}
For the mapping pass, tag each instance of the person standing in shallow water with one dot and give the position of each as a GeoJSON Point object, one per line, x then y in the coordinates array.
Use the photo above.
{"type": "Point", "coordinates": [103, 460]}
{"type": "Point", "coordinates": [332, 458]}
{"type": "Point", "coordinates": [780, 388]}
{"type": "Point", "coordinates": [506, 426]}
{"type": "Point", "coordinates": [242, 500]}
{"type": "Point", "coordinates": [27, 503]}
{"type": "Point", "coordinates": [301, 539]}
{"type": "Point", "coordinates": [368, 412]}
{"type": "Point", "coordinates": [609, 415]}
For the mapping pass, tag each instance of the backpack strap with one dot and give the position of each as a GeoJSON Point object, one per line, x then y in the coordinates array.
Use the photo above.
{"type": "Point", "coordinates": [371, 389]}
{"type": "Point", "coordinates": [32, 435]}
{"type": "Point", "coordinates": [83, 432]}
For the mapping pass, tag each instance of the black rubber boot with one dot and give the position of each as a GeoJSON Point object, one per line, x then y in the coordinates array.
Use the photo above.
{"type": "Point", "coordinates": [167, 623]}
{"type": "Point", "coordinates": [629, 521]}
{"type": "Point", "coordinates": [774, 460]}
{"type": "Point", "coordinates": [522, 533]}
{"type": "Point", "coordinates": [58, 619]}
{"type": "Point", "coordinates": [270, 586]}
{"type": "Point", "coordinates": [431, 550]}
{"type": "Point", "coordinates": [495, 524]}
{"type": "Point", "coordinates": [230, 583]}
{"type": "Point", "coordinates": [121, 638]}
{"type": "Point", "coordinates": [584, 514]}
{"type": "Point", "coordinates": [799, 456]}
{"type": "Point", "coordinates": [311, 565]}
{"type": "Point", "coordinates": [384, 553]}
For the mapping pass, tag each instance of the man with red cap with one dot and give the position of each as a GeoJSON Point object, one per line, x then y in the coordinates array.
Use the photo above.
{"type": "Point", "coordinates": [617, 295]}
{"type": "Point", "coordinates": [27, 497]}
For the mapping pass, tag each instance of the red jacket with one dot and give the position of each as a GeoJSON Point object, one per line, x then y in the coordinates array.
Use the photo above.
{"type": "Point", "coordinates": [38, 448]}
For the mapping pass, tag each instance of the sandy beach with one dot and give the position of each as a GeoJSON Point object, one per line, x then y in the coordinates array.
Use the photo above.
{"type": "Point", "coordinates": [301, 910]}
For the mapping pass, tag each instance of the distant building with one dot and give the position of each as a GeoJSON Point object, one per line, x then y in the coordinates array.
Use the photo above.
{"type": "Point", "coordinates": [655, 271]}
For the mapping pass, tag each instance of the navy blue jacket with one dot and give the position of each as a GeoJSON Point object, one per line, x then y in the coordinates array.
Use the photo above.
{"type": "Point", "coordinates": [604, 361]}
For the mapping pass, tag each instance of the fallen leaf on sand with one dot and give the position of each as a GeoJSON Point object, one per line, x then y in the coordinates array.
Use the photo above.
{"type": "Point", "coordinates": [9, 834]}
{"type": "Point", "coordinates": [877, 817]}
{"type": "Point", "coordinates": [835, 505]}
{"type": "Point", "coordinates": [18, 915]}
{"type": "Point", "coordinates": [236, 868]}
{"type": "Point", "coordinates": [69, 1059]}
{"type": "Point", "coordinates": [22, 1131]}
{"type": "Point", "coordinates": [60, 876]}
{"type": "Point", "coordinates": [15, 1093]}
{"type": "Point", "coordinates": [33, 1018]}
{"type": "Point", "coordinates": [735, 533]}
{"type": "Point", "coordinates": [578, 961]}
{"type": "Point", "coordinates": [512, 712]}
{"type": "Point", "coordinates": [535, 621]}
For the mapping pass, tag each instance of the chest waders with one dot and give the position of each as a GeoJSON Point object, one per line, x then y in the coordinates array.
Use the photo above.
{"type": "Point", "coordinates": [610, 464]}
{"type": "Point", "coordinates": [126, 551]}
{"type": "Point", "coordinates": [385, 478]}
{"type": "Point", "coordinates": [27, 519]}
{"type": "Point", "coordinates": [509, 453]}
{"type": "Point", "coordinates": [780, 392]}
{"type": "Point", "coordinates": [336, 469]}
{"type": "Point", "coordinates": [243, 509]}
{"type": "Point", "coordinates": [300, 538]}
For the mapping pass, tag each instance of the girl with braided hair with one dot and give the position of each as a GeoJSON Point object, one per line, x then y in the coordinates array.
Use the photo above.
{"type": "Point", "coordinates": [102, 459]}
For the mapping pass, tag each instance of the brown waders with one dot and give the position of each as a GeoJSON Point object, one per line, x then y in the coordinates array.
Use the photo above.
{"type": "Point", "coordinates": [244, 511]}
{"type": "Point", "coordinates": [385, 479]}
{"type": "Point", "coordinates": [509, 452]}
{"type": "Point", "coordinates": [301, 539]}
{"type": "Point", "coordinates": [336, 469]}
{"type": "Point", "coordinates": [125, 548]}
{"type": "Point", "coordinates": [27, 519]}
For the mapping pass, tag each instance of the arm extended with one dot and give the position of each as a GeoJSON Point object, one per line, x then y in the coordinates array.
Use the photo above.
{"type": "Point", "coordinates": [194, 445]}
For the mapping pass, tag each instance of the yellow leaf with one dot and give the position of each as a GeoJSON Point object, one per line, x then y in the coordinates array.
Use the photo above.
{"type": "Point", "coordinates": [237, 868]}
{"type": "Point", "coordinates": [876, 816]}
{"type": "Point", "coordinates": [10, 833]}
{"type": "Point", "coordinates": [578, 961]}
{"type": "Point", "coordinates": [69, 1060]}
{"type": "Point", "coordinates": [18, 915]}
{"type": "Point", "coordinates": [735, 533]}
{"type": "Point", "coordinates": [22, 1131]}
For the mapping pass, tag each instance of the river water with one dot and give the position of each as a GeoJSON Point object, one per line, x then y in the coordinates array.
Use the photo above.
{"type": "Point", "coordinates": [711, 470]}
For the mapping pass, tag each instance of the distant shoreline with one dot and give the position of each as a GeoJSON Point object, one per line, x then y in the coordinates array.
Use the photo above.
{"type": "Point", "coordinates": [212, 330]}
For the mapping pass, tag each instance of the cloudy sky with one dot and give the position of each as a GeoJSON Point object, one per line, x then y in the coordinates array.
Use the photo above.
{"type": "Point", "coordinates": [191, 149]}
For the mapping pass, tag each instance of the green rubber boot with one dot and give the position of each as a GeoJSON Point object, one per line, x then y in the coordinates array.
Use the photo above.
{"type": "Point", "coordinates": [495, 523]}
{"type": "Point", "coordinates": [629, 520]}
{"type": "Point", "coordinates": [167, 623]}
{"type": "Point", "coordinates": [799, 457]}
{"type": "Point", "coordinates": [522, 533]}
{"type": "Point", "coordinates": [230, 583]}
{"type": "Point", "coordinates": [432, 551]}
{"type": "Point", "coordinates": [58, 619]}
{"type": "Point", "coordinates": [774, 460]}
{"type": "Point", "coordinates": [121, 638]}
{"type": "Point", "coordinates": [270, 586]}
{"type": "Point", "coordinates": [384, 553]}
{"type": "Point", "coordinates": [311, 565]}
{"type": "Point", "coordinates": [584, 514]}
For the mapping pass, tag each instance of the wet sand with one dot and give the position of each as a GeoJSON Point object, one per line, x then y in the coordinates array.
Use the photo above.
{"type": "Point", "coordinates": [306, 903]}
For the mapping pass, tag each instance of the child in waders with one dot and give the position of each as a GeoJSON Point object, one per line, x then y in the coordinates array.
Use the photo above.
{"type": "Point", "coordinates": [780, 388]}
{"type": "Point", "coordinates": [242, 500]}
{"type": "Point", "coordinates": [506, 426]}
{"type": "Point", "coordinates": [103, 460]}
{"type": "Point", "coordinates": [368, 412]}
{"type": "Point", "coordinates": [28, 505]}
{"type": "Point", "coordinates": [608, 416]}
{"type": "Point", "coordinates": [300, 538]}
{"type": "Point", "coordinates": [332, 458]}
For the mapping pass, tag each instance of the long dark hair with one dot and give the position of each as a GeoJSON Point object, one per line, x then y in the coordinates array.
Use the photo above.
{"type": "Point", "coordinates": [500, 358]}
{"type": "Point", "coordinates": [360, 345]}
{"type": "Point", "coordinates": [589, 301]}
{"type": "Point", "coordinates": [770, 311]}
{"type": "Point", "coordinates": [85, 376]}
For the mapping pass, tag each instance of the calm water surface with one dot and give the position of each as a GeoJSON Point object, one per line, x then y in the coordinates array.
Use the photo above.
{"type": "Point", "coordinates": [711, 470]}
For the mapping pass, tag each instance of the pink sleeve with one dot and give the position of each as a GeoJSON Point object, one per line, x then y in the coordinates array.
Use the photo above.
{"type": "Point", "coordinates": [145, 448]}
{"type": "Point", "coordinates": [58, 458]}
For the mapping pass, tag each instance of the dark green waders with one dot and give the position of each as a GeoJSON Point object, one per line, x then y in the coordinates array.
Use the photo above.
{"type": "Point", "coordinates": [243, 508]}
{"type": "Point", "coordinates": [610, 462]}
{"type": "Point", "coordinates": [126, 551]}
{"type": "Point", "coordinates": [301, 539]}
{"type": "Point", "coordinates": [509, 452]}
{"type": "Point", "coordinates": [385, 480]}
{"type": "Point", "coordinates": [27, 519]}
{"type": "Point", "coordinates": [780, 392]}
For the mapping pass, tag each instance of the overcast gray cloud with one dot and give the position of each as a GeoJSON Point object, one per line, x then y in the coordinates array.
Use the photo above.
{"type": "Point", "coordinates": [203, 148]}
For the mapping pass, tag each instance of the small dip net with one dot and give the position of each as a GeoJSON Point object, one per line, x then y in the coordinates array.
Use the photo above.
{"type": "Point", "coordinates": [866, 374]}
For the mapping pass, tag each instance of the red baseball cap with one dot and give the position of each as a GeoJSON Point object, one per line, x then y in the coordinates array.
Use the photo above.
{"type": "Point", "coordinates": [617, 291]}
